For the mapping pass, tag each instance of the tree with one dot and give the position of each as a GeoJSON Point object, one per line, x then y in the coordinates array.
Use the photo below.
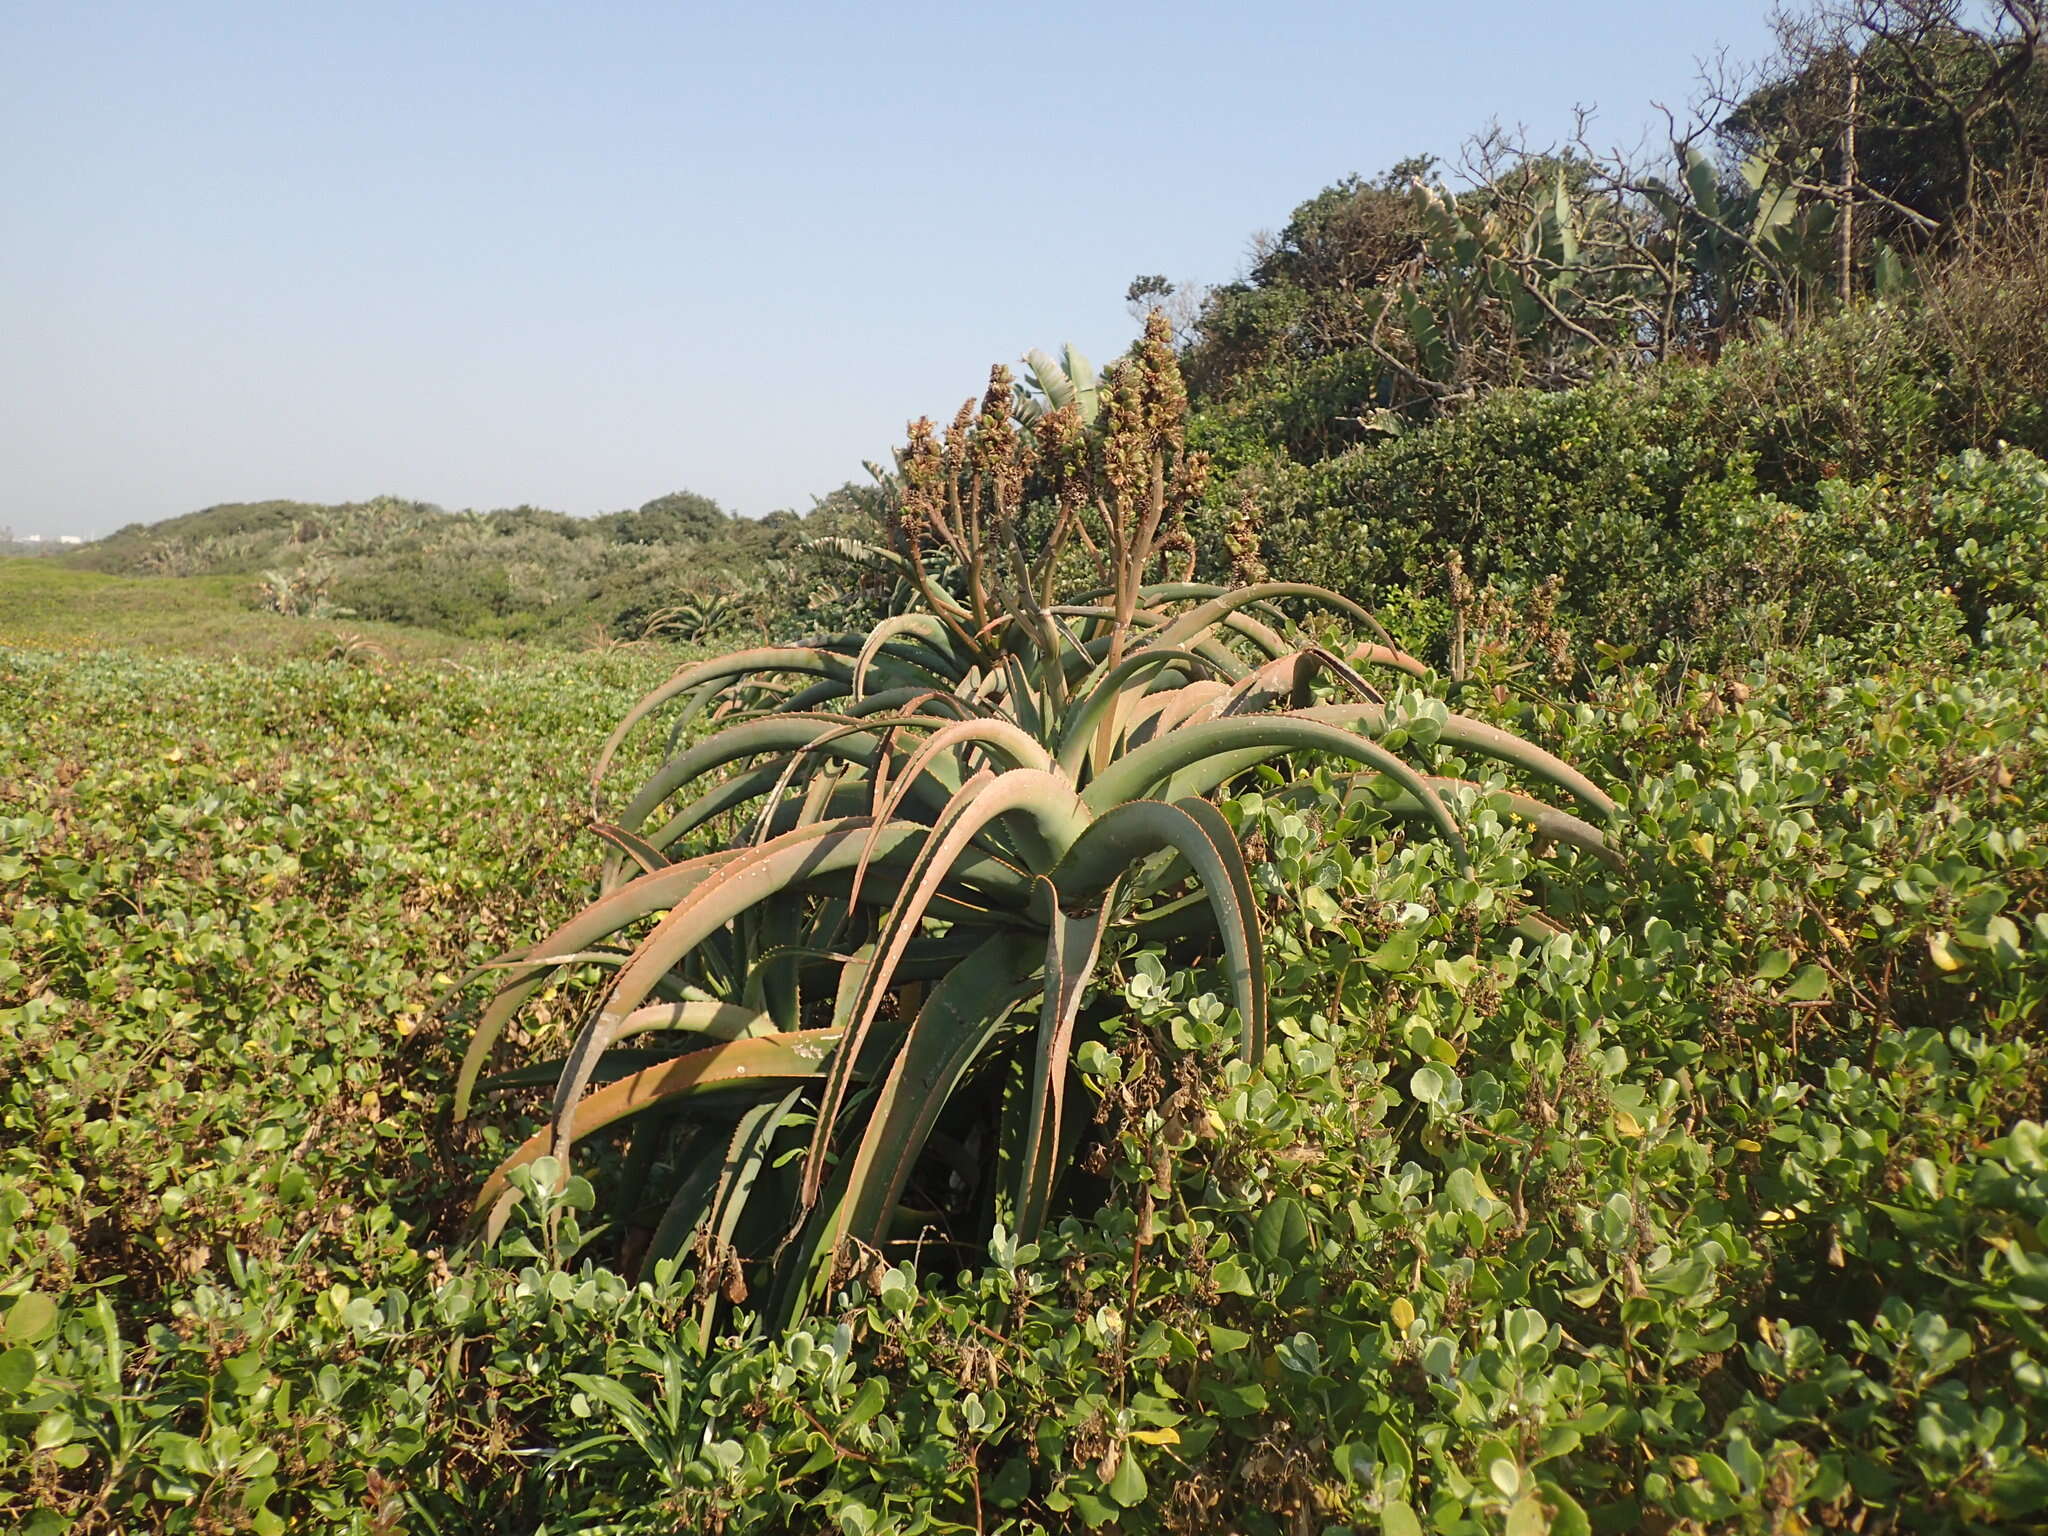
{"type": "Point", "coordinates": [1906, 110]}
{"type": "Point", "coordinates": [679, 517]}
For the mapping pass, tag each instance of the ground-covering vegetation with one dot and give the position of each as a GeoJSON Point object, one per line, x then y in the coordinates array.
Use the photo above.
{"type": "Point", "coordinates": [1723, 1205]}
{"type": "Point", "coordinates": [1325, 1135]}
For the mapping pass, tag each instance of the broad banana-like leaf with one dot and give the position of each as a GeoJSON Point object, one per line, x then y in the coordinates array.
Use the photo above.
{"type": "Point", "coordinates": [1051, 379]}
{"type": "Point", "coordinates": [1704, 183]}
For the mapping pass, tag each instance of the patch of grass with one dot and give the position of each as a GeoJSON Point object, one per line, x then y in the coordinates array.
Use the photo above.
{"type": "Point", "coordinates": [47, 606]}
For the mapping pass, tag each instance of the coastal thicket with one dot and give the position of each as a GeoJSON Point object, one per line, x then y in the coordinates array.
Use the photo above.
{"type": "Point", "coordinates": [1445, 931]}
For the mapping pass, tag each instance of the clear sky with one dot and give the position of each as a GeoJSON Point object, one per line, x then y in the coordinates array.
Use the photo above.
{"type": "Point", "coordinates": [582, 254]}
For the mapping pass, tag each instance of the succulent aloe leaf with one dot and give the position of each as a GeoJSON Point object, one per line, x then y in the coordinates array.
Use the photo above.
{"type": "Point", "coordinates": [1197, 832]}
{"type": "Point", "coordinates": [696, 1016]}
{"type": "Point", "coordinates": [1239, 622]}
{"type": "Point", "coordinates": [743, 789]}
{"type": "Point", "coordinates": [1222, 745]}
{"type": "Point", "coordinates": [1044, 797]}
{"type": "Point", "coordinates": [1192, 623]}
{"type": "Point", "coordinates": [717, 672]}
{"type": "Point", "coordinates": [1113, 691]}
{"type": "Point", "coordinates": [915, 696]}
{"type": "Point", "coordinates": [811, 859]}
{"type": "Point", "coordinates": [1391, 656]}
{"type": "Point", "coordinates": [1463, 732]}
{"type": "Point", "coordinates": [789, 863]}
{"type": "Point", "coordinates": [1162, 712]}
{"type": "Point", "coordinates": [697, 1156]}
{"type": "Point", "coordinates": [616, 1065]}
{"type": "Point", "coordinates": [959, 1018]}
{"type": "Point", "coordinates": [852, 741]}
{"type": "Point", "coordinates": [1072, 945]}
{"type": "Point", "coordinates": [1550, 822]}
{"type": "Point", "coordinates": [643, 853]}
{"type": "Point", "coordinates": [996, 737]}
{"type": "Point", "coordinates": [769, 1061]}
{"type": "Point", "coordinates": [889, 629]}
{"type": "Point", "coordinates": [753, 1139]}
{"type": "Point", "coordinates": [618, 909]}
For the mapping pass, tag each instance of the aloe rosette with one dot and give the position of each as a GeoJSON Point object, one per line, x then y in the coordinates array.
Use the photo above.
{"type": "Point", "coordinates": [853, 929]}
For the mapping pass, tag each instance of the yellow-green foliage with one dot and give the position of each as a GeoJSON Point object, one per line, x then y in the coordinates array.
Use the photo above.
{"type": "Point", "coordinates": [1728, 1204]}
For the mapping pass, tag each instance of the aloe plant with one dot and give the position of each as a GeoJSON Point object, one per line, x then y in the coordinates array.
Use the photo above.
{"type": "Point", "coordinates": [854, 930]}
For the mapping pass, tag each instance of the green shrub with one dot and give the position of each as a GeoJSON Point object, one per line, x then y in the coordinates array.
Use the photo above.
{"type": "Point", "coordinates": [1661, 527]}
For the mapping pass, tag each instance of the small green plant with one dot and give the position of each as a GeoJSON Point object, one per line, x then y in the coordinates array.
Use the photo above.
{"type": "Point", "coordinates": [824, 1049]}
{"type": "Point", "coordinates": [301, 594]}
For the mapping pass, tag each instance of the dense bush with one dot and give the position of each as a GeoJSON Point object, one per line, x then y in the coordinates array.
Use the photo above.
{"type": "Point", "coordinates": [1727, 508]}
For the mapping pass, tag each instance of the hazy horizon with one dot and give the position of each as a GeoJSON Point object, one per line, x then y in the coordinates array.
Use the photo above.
{"type": "Point", "coordinates": [580, 258]}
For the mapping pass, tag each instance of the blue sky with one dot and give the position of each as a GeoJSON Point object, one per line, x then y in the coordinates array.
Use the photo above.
{"type": "Point", "coordinates": [582, 254]}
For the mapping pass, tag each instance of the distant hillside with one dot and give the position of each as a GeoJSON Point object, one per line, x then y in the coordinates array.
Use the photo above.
{"type": "Point", "coordinates": [244, 537]}
{"type": "Point", "coordinates": [677, 565]}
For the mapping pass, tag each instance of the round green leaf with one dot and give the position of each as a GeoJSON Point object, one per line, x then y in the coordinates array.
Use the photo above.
{"type": "Point", "coordinates": [1128, 1486]}
{"type": "Point", "coordinates": [31, 1316]}
{"type": "Point", "coordinates": [17, 1370]}
{"type": "Point", "coordinates": [1281, 1231]}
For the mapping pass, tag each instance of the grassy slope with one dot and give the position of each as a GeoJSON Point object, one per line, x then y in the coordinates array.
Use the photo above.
{"type": "Point", "coordinates": [47, 605]}
{"type": "Point", "coordinates": [260, 528]}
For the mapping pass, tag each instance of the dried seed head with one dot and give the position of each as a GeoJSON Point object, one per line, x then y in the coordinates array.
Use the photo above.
{"type": "Point", "coordinates": [999, 456]}
{"type": "Point", "coordinates": [1126, 448]}
{"type": "Point", "coordinates": [1462, 595]}
{"type": "Point", "coordinates": [1193, 479]}
{"type": "Point", "coordinates": [1178, 541]}
{"type": "Point", "coordinates": [958, 436]}
{"type": "Point", "coordinates": [1163, 393]}
{"type": "Point", "coordinates": [1247, 562]}
{"type": "Point", "coordinates": [995, 438]}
